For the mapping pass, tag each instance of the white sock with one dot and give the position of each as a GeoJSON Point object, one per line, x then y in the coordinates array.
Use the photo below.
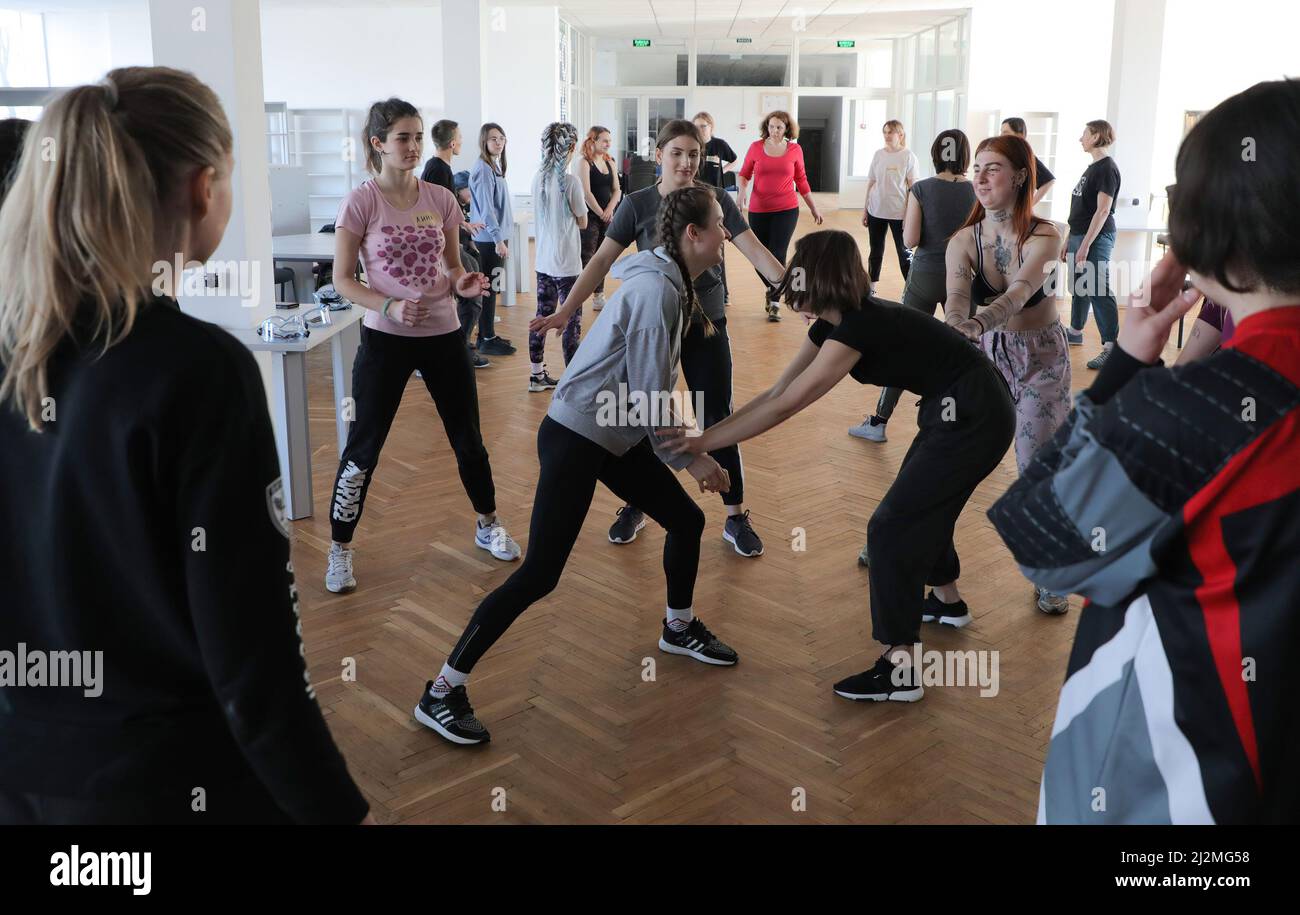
{"type": "Point", "coordinates": [538, 367]}
{"type": "Point", "coordinates": [678, 620]}
{"type": "Point", "coordinates": [447, 680]}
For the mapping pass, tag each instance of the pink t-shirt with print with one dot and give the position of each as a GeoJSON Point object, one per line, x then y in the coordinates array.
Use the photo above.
{"type": "Point", "coordinates": [402, 253]}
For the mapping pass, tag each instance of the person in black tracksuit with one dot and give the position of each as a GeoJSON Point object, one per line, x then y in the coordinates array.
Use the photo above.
{"type": "Point", "coordinates": [966, 423]}
{"type": "Point", "coordinates": [140, 496]}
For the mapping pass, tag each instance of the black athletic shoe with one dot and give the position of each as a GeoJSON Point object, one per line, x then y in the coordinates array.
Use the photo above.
{"type": "Point", "coordinates": [882, 684]}
{"type": "Point", "coordinates": [696, 641]}
{"type": "Point", "coordinates": [476, 360]}
{"type": "Point", "coordinates": [740, 534]}
{"type": "Point", "coordinates": [451, 716]}
{"type": "Point", "coordinates": [934, 610]}
{"type": "Point", "coordinates": [495, 346]}
{"type": "Point", "coordinates": [624, 530]}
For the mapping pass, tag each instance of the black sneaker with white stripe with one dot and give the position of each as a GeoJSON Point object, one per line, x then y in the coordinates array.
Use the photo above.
{"type": "Point", "coordinates": [696, 641]}
{"type": "Point", "coordinates": [451, 716]}
{"type": "Point", "coordinates": [885, 682]}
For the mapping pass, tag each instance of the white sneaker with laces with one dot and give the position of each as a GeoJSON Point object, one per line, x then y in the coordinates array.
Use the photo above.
{"type": "Point", "coordinates": [869, 432]}
{"type": "Point", "coordinates": [338, 575]}
{"type": "Point", "coordinates": [496, 541]}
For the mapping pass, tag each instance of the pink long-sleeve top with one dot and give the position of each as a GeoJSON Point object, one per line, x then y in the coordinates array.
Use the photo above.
{"type": "Point", "coordinates": [775, 178]}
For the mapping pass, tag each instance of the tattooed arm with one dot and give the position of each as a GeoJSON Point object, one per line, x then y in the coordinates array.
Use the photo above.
{"type": "Point", "coordinates": [959, 265]}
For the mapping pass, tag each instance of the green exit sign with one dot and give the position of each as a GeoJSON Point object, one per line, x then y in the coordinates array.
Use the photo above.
{"type": "Point", "coordinates": [845, 44]}
{"type": "Point", "coordinates": [640, 42]}
{"type": "Point", "coordinates": [744, 41]}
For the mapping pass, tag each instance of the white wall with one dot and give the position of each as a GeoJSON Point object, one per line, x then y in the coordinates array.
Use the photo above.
{"type": "Point", "coordinates": [1033, 62]}
{"type": "Point", "coordinates": [320, 55]}
{"type": "Point", "coordinates": [85, 44]}
{"type": "Point", "coordinates": [1203, 66]}
{"type": "Point", "coordinates": [522, 90]}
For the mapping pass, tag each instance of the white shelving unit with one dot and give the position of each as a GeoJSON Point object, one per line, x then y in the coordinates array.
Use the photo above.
{"type": "Point", "coordinates": [325, 146]}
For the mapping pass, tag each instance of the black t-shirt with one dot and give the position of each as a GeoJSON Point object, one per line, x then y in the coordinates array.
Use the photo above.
{"type": "Point", "coordinates": [438, 172]}
{"type": "Point", "coordinates": [637, 220]}
{"type": "Point", "coordinates": [1042, 174]}
{"type": "Point", "coordinates": [901, 347]}
{"type": "Point", "coordinates": [717, 154]}
{"type": "Point", "coordinates": [1101, 177]}
{"type": "Point", "coordinates": [147, 522]}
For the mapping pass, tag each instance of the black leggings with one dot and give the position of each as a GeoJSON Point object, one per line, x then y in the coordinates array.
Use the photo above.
{"type": "Point", "coordinates": [774, 230]}
{"type": "Point", "coordinates": [491, 264]}
{"type": "Point", "coordinates": [383, 366]}
{"type": "Point", "coordinates": [923, 292]}
{"type": "Point", "coordinates": [964, 433]}
{"type": "Point", "coordinates": [876, 235]}
{"type": "Point", "coordinates": [571, 465]}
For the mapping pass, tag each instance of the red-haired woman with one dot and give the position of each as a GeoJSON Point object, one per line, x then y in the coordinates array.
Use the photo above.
{"type": "Point", "coordinates": [998, 264]}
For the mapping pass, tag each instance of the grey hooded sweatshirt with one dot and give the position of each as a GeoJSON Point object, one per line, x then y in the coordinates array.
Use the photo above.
{"type": "Point", "coordinates": [627, 361]}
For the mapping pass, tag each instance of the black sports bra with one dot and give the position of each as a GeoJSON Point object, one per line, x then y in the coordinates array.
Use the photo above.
{"type": "Point", "coordinates": [980, 290]}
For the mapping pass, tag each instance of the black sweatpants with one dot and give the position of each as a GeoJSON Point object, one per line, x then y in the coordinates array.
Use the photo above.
{"type": "Point", "coordinates": [245, 803]}
{"type": "Point", "coordinates": [571, 465]}
{"type": "Point", "coordinates": [491, 264]}
{"type": "Point", "coordinates": [774, 230]}
{"type": "Point", "coordinates": [923, 292]}
{"type": "Point", "coordinates": [383, 366]}
{"type": "Point", "coordinates": [876, 228]}
{"type": "Point", "coordinates": [964, 433]}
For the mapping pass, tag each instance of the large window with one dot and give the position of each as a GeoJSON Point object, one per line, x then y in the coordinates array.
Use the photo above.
{"type": "Point", "coordinates": [620, 62]}
{"type": "Point", "coordinates": [869, 114]}
{"type": "Point", "coordinates": [934, 83]}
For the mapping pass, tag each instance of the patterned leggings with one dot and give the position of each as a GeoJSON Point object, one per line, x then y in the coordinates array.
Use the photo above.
{"type": "Point", "coordinates": [1036, 366]}
{"type": "Point", "coordinates": [551, 293]}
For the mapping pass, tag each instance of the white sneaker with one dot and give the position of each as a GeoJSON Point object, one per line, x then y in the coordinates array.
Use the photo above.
{"type": "Point", "coordinates": [338, 575]}
{"type": "Point", "coordinates": [598, 302]}
{"type": "Point", "coordinates": [869, 432]}
{"type": "Point", "coordinates": [495, 540]}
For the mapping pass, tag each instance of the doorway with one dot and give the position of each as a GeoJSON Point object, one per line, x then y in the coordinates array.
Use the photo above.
{"type": "Point", "coordinates": [820, 129]}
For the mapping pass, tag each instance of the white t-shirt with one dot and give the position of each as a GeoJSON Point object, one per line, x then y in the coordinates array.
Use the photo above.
{"type": "Point", "coordinates": [890, 169]}
{"type": "Point", "coordinates": [559, 244]}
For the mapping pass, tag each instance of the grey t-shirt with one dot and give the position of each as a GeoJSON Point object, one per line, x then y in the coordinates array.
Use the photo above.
{"type": "Point", "coordinates": [944, 207]}
{"type": "Point", "coordinates": [637, 220]}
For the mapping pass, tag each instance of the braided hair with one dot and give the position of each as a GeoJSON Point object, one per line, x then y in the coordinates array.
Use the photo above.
{"type": "Point", "coordinates": [558, 140]}
{"type": "Point", "coordinates": [686, 206]}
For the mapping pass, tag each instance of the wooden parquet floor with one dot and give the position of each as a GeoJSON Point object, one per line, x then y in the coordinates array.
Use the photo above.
{"type": "Point", "coordinates": [579, 734]}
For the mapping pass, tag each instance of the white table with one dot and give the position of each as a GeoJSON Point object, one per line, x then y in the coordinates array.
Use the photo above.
{"type": "Point", "coordinates": [299, 252]}
{"type": "Point", "coordinates": [289, 395]}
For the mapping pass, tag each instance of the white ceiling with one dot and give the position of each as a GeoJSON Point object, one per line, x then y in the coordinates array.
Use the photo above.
{"type": "Point", "coordinates": [765, 21]}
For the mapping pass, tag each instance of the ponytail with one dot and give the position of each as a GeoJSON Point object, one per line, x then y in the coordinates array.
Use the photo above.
{"type": "Point", "coordinates": [85, 217]}
{"type": "Point", "coordinates": [684, 207]}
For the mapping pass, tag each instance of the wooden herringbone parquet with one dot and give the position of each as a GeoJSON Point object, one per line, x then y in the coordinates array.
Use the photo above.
{"type": "Point", "coordinates": [578, 735]}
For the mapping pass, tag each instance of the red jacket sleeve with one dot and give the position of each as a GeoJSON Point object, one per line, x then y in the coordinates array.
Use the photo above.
{"type": "Point", "coordinates": [747, 169]}
{"type": "Point", "coordinates": [800, 176]}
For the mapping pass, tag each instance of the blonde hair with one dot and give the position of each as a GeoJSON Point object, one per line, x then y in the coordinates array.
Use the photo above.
{"type": "Point", "coordinates": [85, 216]}
{"type": "Point", "coordinates": [893, 125]}
{"type": "Point", "coordinates": [705, 117]}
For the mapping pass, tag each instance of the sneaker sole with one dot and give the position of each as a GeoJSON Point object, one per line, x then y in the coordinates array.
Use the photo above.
{"type": "Point", "coordinates": [677, 649]}
{"type": "Point", "coordinates": [856, 433]}
{"type": "Point", "coordinates": [488, 547]}
{"type": "Point", "coordinates": [957, 622]}
{"type": "Point", "coordinates": [538, 389]}
{"type": "Point", "coordinates": [638, 530]}
{"type": "Point", "coordinates": [483, 365]}
{"type": "Point", "coordinates": [433, 725]}
{"type": "Point", "coordinates": [342, 589]}
{"type": "Point", "coordinates": [732, 540]}
{"type": "Point", "coordinates": [906, 695]}
{"type": "Point", "coordinates": [1054, 612]}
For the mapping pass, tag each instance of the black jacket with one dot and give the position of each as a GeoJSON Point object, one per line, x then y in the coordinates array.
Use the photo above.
{"type": "Point", "coordinates": [145, 522]}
